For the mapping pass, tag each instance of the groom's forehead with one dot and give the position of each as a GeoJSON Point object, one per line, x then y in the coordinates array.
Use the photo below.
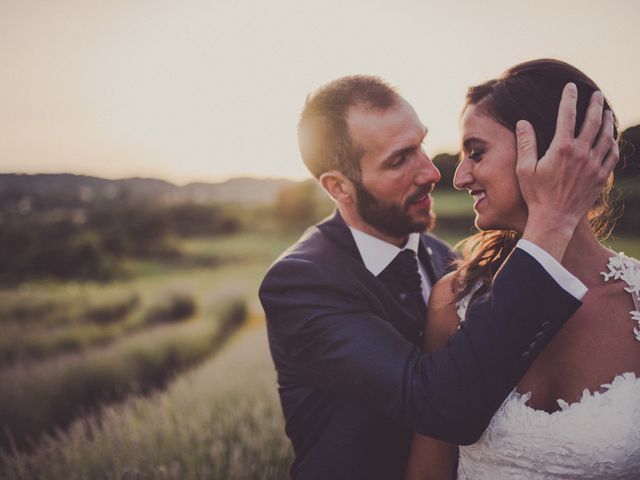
{"type": "Point", "coordinates": [395, 120]}
{"type": "Point", "coordinates": [386, 132]}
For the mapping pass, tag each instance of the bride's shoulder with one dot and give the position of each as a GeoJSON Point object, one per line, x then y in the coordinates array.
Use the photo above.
{"type": "Point", "coordinates": [442, 318]}
{"type": "Point", "coordinates": [445, 288]}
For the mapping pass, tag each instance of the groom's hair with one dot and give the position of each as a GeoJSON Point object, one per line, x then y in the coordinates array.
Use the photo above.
{"type": "Point", "coordinates": [323, 131]}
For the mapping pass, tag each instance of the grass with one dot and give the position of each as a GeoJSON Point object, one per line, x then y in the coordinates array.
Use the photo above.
{"type": "Point", "coordinates": [249, 247]}
{"type": "Point", "coordinates": [133, 354]}
{"type": "Point", "coordinates": [39, 396]}
{"type": "Point", "coordinates": [219, 421]}
{"type": "Point", "coordinates": [46, 304]}
{"type": "Point", "coordinates": [18, 344]}
{"type": "Point", "coordinates": [43, 319]}
{"type": "Point", "coordinates": [38, 325]}
{"type": "Point", "coordinates": [452, 203]}
{"type": "Point", "coordinates": [629, 246]}
{"type": "Point", "coordinates": [177, 306]}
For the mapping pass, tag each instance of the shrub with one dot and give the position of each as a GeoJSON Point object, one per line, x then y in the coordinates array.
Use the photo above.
{"type": "Point", "coordinates": [113, 310]}
{"type": "Point", "coordinates": [172, 308]}
{"type": "Point", "coordinates": [301, 204]}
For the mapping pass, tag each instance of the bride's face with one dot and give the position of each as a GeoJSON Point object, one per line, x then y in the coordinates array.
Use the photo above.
{"type": "Point", "coordinates": [487, 169]}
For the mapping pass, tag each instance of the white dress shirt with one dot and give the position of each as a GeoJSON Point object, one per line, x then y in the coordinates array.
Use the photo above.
{"type": "Point", "coordinates": [560, 274]}
{"type": "Point", "coordinates": [377, 254]}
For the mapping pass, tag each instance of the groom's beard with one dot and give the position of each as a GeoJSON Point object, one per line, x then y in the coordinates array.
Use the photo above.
{"type": "Point", "coordinates": [392, 219]}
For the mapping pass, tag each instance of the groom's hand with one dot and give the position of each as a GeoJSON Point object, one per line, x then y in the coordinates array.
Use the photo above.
{"type": "Point", "coordinates": [563, 185]}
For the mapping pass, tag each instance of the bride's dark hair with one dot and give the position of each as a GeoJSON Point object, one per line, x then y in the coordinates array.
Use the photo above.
{"type": "Point", "coordinates": [529, 91]}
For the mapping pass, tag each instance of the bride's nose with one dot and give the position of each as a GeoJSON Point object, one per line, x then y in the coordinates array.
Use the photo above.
{"type": "Point", "coordinates": [463, 177]}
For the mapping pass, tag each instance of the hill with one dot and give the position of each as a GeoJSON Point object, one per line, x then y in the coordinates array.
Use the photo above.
{"type": "Point", "coordinates": [69, 190]}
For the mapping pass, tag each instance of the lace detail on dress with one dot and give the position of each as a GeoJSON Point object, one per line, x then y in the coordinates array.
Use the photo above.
{"type": "Point", "coordinates": [463, 303]}
{"type": "Point", "coordinates": [627, 269]}
{"type": "Point", "coordinates": [594, 438]}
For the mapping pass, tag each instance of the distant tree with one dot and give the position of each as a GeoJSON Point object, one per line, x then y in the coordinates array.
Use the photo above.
{"type": "Point", "coordinates": [188, 219]}
{"type": "Point", "coordinates": [301, 204]}
{"type": "Point", "coordinates": [627, 175]}
{"type": "Point", "coordinates": [629, 165]}
{"type": "Point", "coordinates": [446, 163]}
{"type": "Point", "coordinates": [34, 247]}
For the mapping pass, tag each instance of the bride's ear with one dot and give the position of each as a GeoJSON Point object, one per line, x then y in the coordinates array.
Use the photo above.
{"type": "Point", "coordinates": [338, 186]}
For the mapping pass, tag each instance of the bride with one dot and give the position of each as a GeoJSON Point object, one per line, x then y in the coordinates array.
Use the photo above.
{"type": "Point", "coordinates": [576, 412]}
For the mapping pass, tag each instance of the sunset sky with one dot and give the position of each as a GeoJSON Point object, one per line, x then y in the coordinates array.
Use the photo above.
{"type": "Point", "coordinates": [196, 90]}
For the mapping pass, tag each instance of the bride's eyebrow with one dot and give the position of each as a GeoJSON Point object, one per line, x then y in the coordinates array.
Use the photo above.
{"type": "Point", "coordinates": [473, 142]}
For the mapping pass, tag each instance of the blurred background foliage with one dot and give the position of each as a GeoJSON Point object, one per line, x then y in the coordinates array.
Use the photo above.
{"type": "Point", "coordinates": [75, 227]}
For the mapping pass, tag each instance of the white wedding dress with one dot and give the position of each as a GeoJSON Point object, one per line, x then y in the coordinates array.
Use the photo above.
{"type": "Point", "coordinates": [597, 437]}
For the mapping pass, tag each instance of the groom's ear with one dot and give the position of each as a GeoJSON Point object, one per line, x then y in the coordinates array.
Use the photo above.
{"type": "Point", "coordinates": [338, 186]}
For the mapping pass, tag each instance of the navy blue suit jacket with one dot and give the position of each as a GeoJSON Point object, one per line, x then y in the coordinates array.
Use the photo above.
{"type": "Point", "coordinates": [353, 383]}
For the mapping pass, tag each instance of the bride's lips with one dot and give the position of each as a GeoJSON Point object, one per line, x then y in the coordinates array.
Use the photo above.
{"type": "Point", "coordinates": [478, 197]}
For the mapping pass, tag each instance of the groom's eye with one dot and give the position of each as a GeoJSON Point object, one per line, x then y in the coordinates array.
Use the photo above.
{"type": "Point", "coordinates": [399, 161]}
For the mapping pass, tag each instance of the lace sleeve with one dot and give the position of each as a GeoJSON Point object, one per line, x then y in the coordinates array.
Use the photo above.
{"type": "Point", "coordinates": [627, 269]}
{"type": "Point", "coordinates": [463, 303]}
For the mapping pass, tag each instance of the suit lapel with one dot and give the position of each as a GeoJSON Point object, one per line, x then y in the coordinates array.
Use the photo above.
{"type": "Point", "coordinates": [425, 255]}
{"type": "Point", "coordinates": [393, 308]}
{"type": "Point", "coordinates": [436, 258]}
{"type": "Point", "coordinates": [337, 230]}
{"type": "Point", "coordinates": [402, 318]}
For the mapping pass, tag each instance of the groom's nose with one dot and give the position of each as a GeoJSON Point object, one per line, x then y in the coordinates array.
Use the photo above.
{"type": "Point", "coordinates": [426, 170]}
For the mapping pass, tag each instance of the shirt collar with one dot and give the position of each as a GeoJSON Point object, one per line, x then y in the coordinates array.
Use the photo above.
{"type": "Point", "coordinates": [377, 254]}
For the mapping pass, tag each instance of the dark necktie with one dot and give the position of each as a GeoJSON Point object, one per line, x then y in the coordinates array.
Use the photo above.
{"type": "Point", "coordinates": [402, 273]}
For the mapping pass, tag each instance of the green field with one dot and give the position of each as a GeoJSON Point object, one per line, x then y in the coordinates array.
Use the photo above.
{"type": "Point", "coordinates": [220, 420]}
{"type": "Point", "coordinates": [215, 414]}
{"type": "Point", "coordinates": [452, 202]}
{"type": "Point", "coordinates": [70, 348]}
{"type": "Point", "coordinates": [205, 424]}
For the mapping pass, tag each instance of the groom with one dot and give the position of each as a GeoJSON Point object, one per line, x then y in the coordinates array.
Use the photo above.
{"type": "Point", "coordinates": [345, 305]}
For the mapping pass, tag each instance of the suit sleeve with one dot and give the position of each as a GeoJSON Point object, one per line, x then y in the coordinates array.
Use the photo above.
{"type": "Point", "coordinates": [327, 329]}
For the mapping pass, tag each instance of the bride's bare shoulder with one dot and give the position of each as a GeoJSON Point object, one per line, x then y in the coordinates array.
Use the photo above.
{"type": "Point", "coordinates": [446, 286]}
{"type": "Point", "coordinates": [442, 317]}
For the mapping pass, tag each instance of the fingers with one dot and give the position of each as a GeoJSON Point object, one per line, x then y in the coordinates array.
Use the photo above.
{"type": "Point", "coordinates": [566, 123]}
{"type": "Point", "coordinates": [592, 119]}
{"type": "Point", "coordinates": [611, 160]}
{"type": "Point", "coordinates": [606, 152]}
{"type": "Point", "coordinates": [527, 149]}
{"type": "Point", "coordinates": [605, 140]}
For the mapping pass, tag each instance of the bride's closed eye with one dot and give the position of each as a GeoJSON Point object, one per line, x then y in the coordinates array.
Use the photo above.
{"type": "Point", "coordinates": [476, 154]}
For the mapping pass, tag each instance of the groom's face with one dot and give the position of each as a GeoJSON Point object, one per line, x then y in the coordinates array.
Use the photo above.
{"type": "Point", "coordinates": [396, 174]}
